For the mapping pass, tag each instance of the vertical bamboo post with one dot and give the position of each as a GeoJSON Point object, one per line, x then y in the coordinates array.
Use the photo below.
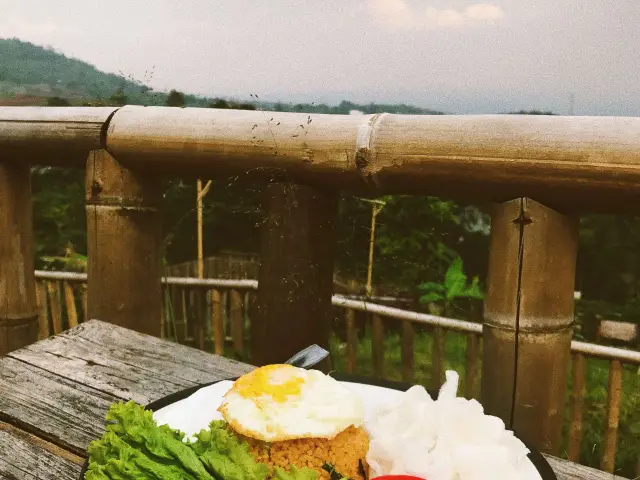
{"type": "Point", "coordinates": [237, 322]}
{"type": "Point", "coordinates": [408, 335]}
{"type": "Point", "coordinates": [70, 304]}
{"type": "Point", "coordinates": [437, 358]}
{"type": "Point", "coordinates": [217, 322]}
{"type": "Point", "coordinates": [528, 316]}
{"type": "Point", "coordinates": [18, 309]}
{"type": "Point", "coordinates": [376, 208]}
{"type": "Point", "coordinates": [577, 407]}
{"type": "Point", "coordinates": [56, 307]}
{"type": "Point", "coordinates": [124, 240]}
{"type": "Point", "coordinates": [377, 345]}
{"type": "Point", "coordinates": [293, 309]}
{"type": "Point", "coordinates": [43, 307]}
{"type": "Point", "coordinates": [352, 340]}
{"type": "Point", "coordinates": [614, 391]}
{"type": "Point", "coordinates": [471, 366]}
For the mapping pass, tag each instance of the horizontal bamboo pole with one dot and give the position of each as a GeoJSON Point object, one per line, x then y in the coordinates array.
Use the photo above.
{"type": "Point", "coordinates": [590, 163]}
{"type": "Point", "coordinates": [56, 135]}
{"type": "Point", "coordinates": [571, 162]}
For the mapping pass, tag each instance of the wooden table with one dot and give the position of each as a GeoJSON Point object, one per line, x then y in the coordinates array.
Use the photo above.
{"type": "Point", "coordinates": [54, 395]}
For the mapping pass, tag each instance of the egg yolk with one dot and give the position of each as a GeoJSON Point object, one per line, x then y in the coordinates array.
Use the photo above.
{"type": "Point", "coordinates": [261, 382]}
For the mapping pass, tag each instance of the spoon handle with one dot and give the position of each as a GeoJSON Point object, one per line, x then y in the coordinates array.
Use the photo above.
{"type": "Point", "coordinates": [309, 357]}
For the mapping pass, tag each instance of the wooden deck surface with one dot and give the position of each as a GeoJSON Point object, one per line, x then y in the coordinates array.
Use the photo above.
{"type": "Point", "coordinates": [54, 395]}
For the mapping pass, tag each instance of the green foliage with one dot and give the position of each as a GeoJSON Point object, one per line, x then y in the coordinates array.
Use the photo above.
{"type": "Point", "coordinates": [58, 212]}
{"type": "Point", "coordinates": [532, 112]}
{"type": "Point", "coordinates": [119, 98]}
{"type": "Point", "coordinates": [175, 99]}
{"type": "Point", "coordinates": [417, 238]}
{"type": "Point", "coordinates": [345, 107]}
{"type": "Point", "coordinates": [57, 102]}
{"type": "Point", "coordinates": [222, 103]}
{"type": "Point", "coordinates": [453, 287]}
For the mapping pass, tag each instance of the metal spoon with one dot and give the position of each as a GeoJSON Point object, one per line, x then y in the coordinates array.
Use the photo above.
{"type": "Point", "coordinates": [309, 357]}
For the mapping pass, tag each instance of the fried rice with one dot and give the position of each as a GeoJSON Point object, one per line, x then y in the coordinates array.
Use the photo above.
{"type": "Point", "coordinates": [346, 452]}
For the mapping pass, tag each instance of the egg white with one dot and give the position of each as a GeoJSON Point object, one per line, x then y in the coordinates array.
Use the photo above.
{"type": "Point", "coordinates": [286, 403]}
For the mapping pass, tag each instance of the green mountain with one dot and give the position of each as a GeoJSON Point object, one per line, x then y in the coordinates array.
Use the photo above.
{"type": "Point", "coordinates": [35, 75]}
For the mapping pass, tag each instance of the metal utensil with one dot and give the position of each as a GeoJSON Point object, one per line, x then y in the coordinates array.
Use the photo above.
{"type": "Point", "coordinates": [309, 357]}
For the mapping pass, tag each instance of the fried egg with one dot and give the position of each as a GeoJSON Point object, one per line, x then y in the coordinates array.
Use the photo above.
{"type": "Point", "coordinates": [282, 402]}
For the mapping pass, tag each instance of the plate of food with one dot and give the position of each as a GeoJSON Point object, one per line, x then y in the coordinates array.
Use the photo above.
{"type": "Point", "coordinates": [283, 422]}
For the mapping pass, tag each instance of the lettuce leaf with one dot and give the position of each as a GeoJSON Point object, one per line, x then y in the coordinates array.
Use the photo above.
{"type": "Point", "coordinates": [226, 456]}
{"type": "Point", "coordinates": [135, 447]}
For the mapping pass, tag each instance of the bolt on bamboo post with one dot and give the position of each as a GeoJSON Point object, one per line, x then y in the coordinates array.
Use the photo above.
{"type": "Point", "coordinates": [18, 310]}
{"type": "Point", "coordinates": [528, 318]}
{"type": "Point", "coordinates": [124, 239]}
{"type": "Point", "coordinates": [293, 306]}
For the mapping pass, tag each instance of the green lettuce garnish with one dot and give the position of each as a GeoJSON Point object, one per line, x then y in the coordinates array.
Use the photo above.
{"type": "Point", "coordinates": [135, 447]}
{"type": "Point", "coordinates": [225, 455]}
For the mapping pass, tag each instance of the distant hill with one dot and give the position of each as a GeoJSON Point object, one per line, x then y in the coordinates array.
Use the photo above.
{"type": "Point", "coordinates": [35, 75]}
{"type": "Point", "coordinates": [30, 74]}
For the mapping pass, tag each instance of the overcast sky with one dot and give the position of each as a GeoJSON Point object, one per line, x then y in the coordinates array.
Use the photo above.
{"type": "Point", "coordinates": [460, 56]}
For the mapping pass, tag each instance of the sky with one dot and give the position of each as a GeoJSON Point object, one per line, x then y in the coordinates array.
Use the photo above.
{"type": "Point", "coordinates": [458, 56]}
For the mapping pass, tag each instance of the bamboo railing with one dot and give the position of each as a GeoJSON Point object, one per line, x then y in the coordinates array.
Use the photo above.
{"type": "Point", "coordinates": [540, 172]}
{"type": "Point", "coordinates": [227, 313]}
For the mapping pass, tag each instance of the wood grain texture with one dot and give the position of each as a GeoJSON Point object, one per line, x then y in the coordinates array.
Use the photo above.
{"type": "Point", "coordinates": [126, 364]}
{"type": "Point", "coordinates": [65, 413]}
{"type": "Point", "coordinates": [26, 457]}
{"type": "Point", "coordinates": [566, 470]}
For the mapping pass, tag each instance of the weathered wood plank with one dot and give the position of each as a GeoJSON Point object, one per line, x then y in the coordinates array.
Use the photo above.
{"type": "Point", "coordinates": [566, 470]}
{"type": "Point", "coordinates": [25, 456]}
{"type": "Point", "coordinates": [125, 363]}
{"type": "Point", "coordinates": [63, 412]}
